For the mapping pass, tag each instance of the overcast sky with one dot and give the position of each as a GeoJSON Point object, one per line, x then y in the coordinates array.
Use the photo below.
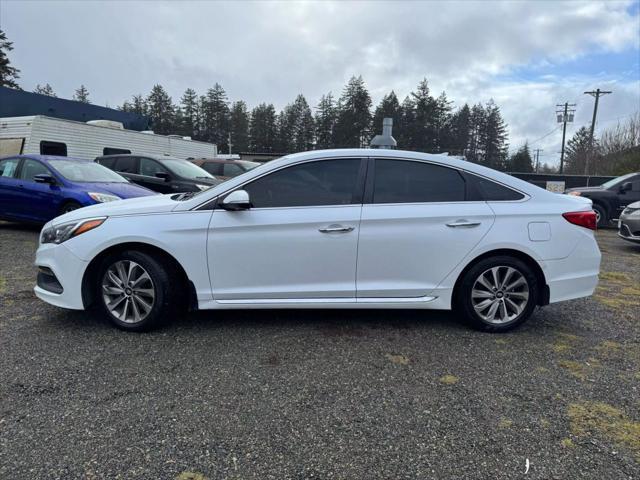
{"type": "Point", "coordinates": [526, 55]}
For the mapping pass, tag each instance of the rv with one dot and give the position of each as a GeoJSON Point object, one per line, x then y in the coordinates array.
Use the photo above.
{"type": "Point", "coordinates": [54, 136]}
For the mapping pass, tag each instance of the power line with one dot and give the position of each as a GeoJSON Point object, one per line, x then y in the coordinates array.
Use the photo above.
{"type": "Point", "coordinates": [544, 136]}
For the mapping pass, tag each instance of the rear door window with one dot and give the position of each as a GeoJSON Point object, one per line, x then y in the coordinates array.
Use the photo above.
{"type": "Point", "coordinates": [107, 162]}
{"type": "Point", "coordinates": [406, 181]}
{"type": "Point", "coordinates": [231, 170]}
{"type": "Point", "coordinates": [150, 167]}
{"type": "Point", "coordinates": [212, 167]}
{"type": "Point", "coordinates": [126, 165]}
{"type": "Point", "coordinates": [9, 167]}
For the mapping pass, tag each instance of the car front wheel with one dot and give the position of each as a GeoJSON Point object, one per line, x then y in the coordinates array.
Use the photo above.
{"type": "Point", "coordinates": [134, 291]}
{"type": "Point", "coordinates": [498, 294]}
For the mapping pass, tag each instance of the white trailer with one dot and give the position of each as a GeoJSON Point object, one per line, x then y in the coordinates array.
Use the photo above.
{"type": "Point", "coordinates": [54, 136]}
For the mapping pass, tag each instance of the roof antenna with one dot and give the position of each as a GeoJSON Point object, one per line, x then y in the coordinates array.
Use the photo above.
{"type": "Point", "coordinates": [385, 140]}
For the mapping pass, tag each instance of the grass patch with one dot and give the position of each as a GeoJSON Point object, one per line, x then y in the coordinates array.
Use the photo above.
{"type": "Point", "coordinates": [397, 359]}
{"type": "Point", "coordinates": [3, 284]}
{"type": "Point", "coordinates": [617, 292]}
{"type": "Point", "coordinates": [567, 443]}
{"type": "Point", "coordinates": [604, 420]}
{"type": "Point", "coordinates": [505, 423]}
{"type": "Point", "coordinates": [577, 369]}
{"type": "Point", "coordinates": [615, 277]}
{"type": "Point", "coordinates": [191, 476]}
{"type": "Point", "coordinates": [449, 379]}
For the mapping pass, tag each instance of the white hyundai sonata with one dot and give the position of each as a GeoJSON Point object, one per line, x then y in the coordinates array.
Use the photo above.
{"type": "Point", "coordinates": [328, 229]}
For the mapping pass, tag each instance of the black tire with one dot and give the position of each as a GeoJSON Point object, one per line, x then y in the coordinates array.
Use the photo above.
{"type": "Point", "coordinates": [166, 299]}
{"type": "Point", "coordinates": [602, 215]}
{"type": "Point", "coordinates": [69, 206]}
{"type": "Point", "coordinates": [464, 303]}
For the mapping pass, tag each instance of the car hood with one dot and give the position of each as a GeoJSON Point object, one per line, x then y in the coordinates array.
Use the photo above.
{"type": "Point", "coordinates": [121, 189]}
{"type": "Point", "coordinates": [131, 206]}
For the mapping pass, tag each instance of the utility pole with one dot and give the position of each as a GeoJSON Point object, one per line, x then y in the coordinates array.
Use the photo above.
{"type": "Point", "coordinates": [564, 115]}
{"type": "Point", "coordinates": [596, 94]}
{"type": "Point", "coordinates": [538, 150]}
{"type": "Point", "coordinates": [229, 142]}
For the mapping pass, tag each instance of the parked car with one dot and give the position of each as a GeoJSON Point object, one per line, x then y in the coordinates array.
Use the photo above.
{"type": "Point", "coordinates": [610, 198]}
{"type": "Point", "coordinates": [629, 223]}
{"type": "Point", "coordinates": [329, 229]}
{"type": "Point", "coordinates": [160, 173]}
{"type": "Point", "coordinates": [37, 188]}
{"type": "Point", "coordinates": [224, 169]}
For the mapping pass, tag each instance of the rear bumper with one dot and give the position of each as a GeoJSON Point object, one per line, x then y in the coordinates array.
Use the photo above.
{"type": "Point", "coordinates": [575, 276]}
{"type": "Point", "coordinates": [67, 269]}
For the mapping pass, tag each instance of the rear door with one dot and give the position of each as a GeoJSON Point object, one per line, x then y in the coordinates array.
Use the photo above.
{"type": "Point", "coordinates": [416, 226]}
{"type": "Point", "coordinates": [9, 187]}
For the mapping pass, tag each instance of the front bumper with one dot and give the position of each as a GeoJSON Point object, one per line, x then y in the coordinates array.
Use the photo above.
{"type": "Point", "coordinates": [625, 231]}
{"type": "Point", "coordinates": [68, 270]}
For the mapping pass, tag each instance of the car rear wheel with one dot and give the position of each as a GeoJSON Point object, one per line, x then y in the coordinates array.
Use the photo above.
{"type": "Point", "coordinates": [498, 294]}
{"type": "Point", "coordinates": [134, 291]}
{"type": "Point", "coordinates": [602, 218]}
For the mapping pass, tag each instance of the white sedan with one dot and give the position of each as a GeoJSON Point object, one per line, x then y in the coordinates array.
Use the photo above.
{"type": "Point", "coordinates": [328, 229]}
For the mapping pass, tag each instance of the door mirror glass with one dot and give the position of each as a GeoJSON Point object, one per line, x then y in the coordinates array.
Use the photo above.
{"type": "Point", "coordinates": [44, 178]}
{"type": "Point", "coordinates": [164, 176]}
{"type": "Point", "coordinates": [237, 200]}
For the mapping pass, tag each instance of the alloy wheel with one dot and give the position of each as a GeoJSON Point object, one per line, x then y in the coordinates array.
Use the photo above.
{"type": "Point", "coordinates": [128, 291]}
{"type": "Point", "coordinates": [500, 294]}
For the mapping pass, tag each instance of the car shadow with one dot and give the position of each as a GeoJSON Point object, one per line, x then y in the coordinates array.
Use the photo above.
{"type": "Point", "coordinates": [20, 227]}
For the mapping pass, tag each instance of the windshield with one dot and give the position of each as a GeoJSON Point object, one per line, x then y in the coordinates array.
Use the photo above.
{"type": "Point", "coordinates": [186, 169]}
{"type": "Point", "coordinates": [614, 181]}
{"type": "Point", "coordinates": [86, 172]}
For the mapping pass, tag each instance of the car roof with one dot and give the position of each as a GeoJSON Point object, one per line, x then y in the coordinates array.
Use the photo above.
{"type": "Point", "coordinates": [45, 158]}
{"type": "Point", "coordinates": [155, 157]}
{"type": "Point", "coordinates": [217, 160]}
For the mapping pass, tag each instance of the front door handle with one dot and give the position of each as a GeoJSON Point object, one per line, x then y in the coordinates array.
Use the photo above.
{"type": "Point", "coordinates": [335, 228]}
{"type": "Point", "coordinates": [463, 223]}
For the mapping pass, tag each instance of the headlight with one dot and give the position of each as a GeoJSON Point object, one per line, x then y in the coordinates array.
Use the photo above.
{"type": "Point", "coordinates": [631, 211]}
{"type": "Point", "coordinates": [575, 194]}
{"type": "Point", "coordinates": [103, 197]}
{"type": "Point", "coordinates": [62, 233]}
{"type": "Point", "coordinates": [202, 187]}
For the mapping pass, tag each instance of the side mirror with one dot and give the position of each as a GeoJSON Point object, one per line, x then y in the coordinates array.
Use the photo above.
{"type": "Point", "coordinates": [626, 187]}
{"type": "Point", "coordinates": [164, 176]}
{"type": "Point", "coordinates": [236, 200]}
{"type": "Point", "coordinates": [44, 178]}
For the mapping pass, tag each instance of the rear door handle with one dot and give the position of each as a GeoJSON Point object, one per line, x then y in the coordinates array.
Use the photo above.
{"type": "Point", "coordinates": [335, 228]}
{"type": "Point", "coordinates": [463, 223]}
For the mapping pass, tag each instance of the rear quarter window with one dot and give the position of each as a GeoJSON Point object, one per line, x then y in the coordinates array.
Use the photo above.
{"type": "Point", "coordinates": [490, 191]}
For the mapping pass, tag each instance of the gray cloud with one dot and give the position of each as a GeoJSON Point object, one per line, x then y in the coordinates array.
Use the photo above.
{"type": "Point", "coordinates": [263, 51]}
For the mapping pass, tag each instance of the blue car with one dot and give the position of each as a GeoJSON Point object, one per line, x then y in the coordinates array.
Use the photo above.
{"type": "Point", "coordinates": [37, 188]}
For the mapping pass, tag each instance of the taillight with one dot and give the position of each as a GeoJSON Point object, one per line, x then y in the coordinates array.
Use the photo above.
{"type": "Point", "coordinates": [582, 219]}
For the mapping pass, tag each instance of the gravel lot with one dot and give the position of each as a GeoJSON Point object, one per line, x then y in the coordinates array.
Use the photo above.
{"type": "Point", "coordinates": [320, 395]}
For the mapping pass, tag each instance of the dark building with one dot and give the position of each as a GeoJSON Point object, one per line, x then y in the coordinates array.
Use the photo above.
{"type": "Point", "coordinates": [17, 103]}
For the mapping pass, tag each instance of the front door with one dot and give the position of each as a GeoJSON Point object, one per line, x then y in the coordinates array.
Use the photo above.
{"type": "Point", "coordinates": [39, 202]}
{"type": "Point", "coordinates": [415, 228]}
{"type": "Point", "coordinates": [297, 242]}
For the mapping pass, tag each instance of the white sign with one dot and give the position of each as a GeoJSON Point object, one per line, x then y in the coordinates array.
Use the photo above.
{"type": "Point", "coordinates": [555, 186]}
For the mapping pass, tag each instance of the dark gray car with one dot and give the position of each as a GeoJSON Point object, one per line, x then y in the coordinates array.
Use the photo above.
{"type": "Point", "coordinates": [629, 223]}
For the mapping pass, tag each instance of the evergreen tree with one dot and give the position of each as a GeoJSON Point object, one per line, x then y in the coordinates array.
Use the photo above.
{"type": "Point", "coordinates": [262, 128]}
{"type": "Point", "coordinates": [495, 138]}
{"type": "Point", "coordinates": [45, 90]}
{"type": "Point", "coordinates": [8, 74]}
{"type": "Point", "coordinates": [459, 128]}
{"type": "Point", "coordinates": [161, 110]}
{"type": "Point", "coordinates": [423, 129]}
{"type": "Point", "coordinates": [353, 125]}
{"type": "Point", "coordinates": [295, 127]}
{"type": "Point", "coordinates": [215, 117]}
{"type": "Point", "coordinates": [404, 133]}
{"type": "Point", "coordinates": [239, 127]}
{"type": "Point", "coordinates": [389, 107]}
{"type": "Point", "coordinates": [325, 121]}
{"type": "Point", "coordinates": [576, 152]}
{"type": "Point", "coordinates": [442, 123]}
{"type": "Point", "coordinates": [477, 122]}
{"type": "Point", "coordinates": [81, 95]}
{"type": "Point", "coordinates": [189, 125]}
{"type": "Point", "coordinates": [139, 105]}
{"type": "Point", "coordinates": [521, 161]}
